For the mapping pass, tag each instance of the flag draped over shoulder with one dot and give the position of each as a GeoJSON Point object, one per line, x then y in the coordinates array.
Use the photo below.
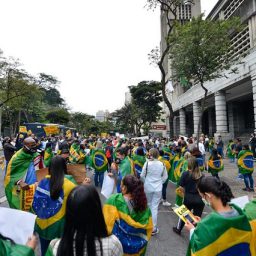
{"type": "Point", "coordinates": [139, 161]}
{"type": "Point", "coordinates": [175, 168]}
{"type": "Point", "coordinates": [217, 235]}
{"type": "Point", "coordinates": [250, 212]}
{"type": "Point", "coordinates": [126, 166]}
{"type": "Point", "coordinates": [76, 154]}
{"type": "Point", "coordinates": [132, 229]}
{"type": "Point", "coordinates": [99, 160]}
{"type": "Point", "coordinates": [48, 155]}
{"type": "Point", "coordinates": [168, 154]}
{"type": "Point", "coordinates": [245, 161]}
{"type": "Point", "coordinates": [50, 213]}
{"type": "Point", "coordinates": [21, 166]}
{"type": "Point", "coordinates": [215, 166]}
{"type": "Point", "coordinates": [166, 163]}
{"type": "Point", "coordinates": [230, 151]}
{"type": "Point", "coordinates": [7, 248]}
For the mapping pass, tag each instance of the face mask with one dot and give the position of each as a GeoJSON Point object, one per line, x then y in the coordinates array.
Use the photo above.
{"type": "Point", "coordinates": [118, 161]}
{"type": "Point", "coordinates": [31, 150]}
{"type": "Point", "coordinates": [206, 202]}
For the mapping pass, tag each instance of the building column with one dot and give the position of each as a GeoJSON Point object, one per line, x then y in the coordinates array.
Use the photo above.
{"type": "Point", "coordinates": [221, 115]}
{"type": "Point", "coordinates": [253, 78]}
{"type": "Point", "coordinates": [196, 116]}
{"type": "Point", "coordinates": [182, 122]}
{"type": "Point", "coordinates": [231, 121]}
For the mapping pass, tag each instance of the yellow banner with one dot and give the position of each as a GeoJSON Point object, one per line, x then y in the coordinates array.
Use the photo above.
{"type": "Point", "coordinates": [23, 129]}
{"type": "Point", "coordinates": [27, 197]}
{"type": "Point", "coordinates": [51, 129]}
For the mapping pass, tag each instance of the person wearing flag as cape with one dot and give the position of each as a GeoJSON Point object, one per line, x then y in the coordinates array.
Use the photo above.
{"type": "Point", "coordinates": [231, 154]}
{"type": "Point", "coordinates": [99, 163]}
{"type": "Point", "coordinates": [215, 163]}
{"type": "Point", "coordinates": [48, 154]}
{"type": "Point", "coordinates": [49, 202]}
{"type": "Point", "coordinates": [246, 167]}
{"type": "Point", "coordinates": [226, 231]}
{"type": "Point", "coordinates": [9, 247]}
{"type": "Point", "coordinates": [128, 217]}
{"type": "Point", "coordinates": [21, 172]}
{"type": "Point", "coordinates": [124, 162]}
{"type": "Point", "coordinates": [139, 159]}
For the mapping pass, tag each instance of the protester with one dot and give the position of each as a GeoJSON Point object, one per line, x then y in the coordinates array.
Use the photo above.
{"type": "Point", "coordinates": [21, 171]}
{"type": "Point", "coordinates": [99, 164]}
{"type": "Point", "coordinates": [9, 151]}
{"type": "Point", "coordinates": [50, 202]}
{"type": "Point", "coordinates": [8, 247]}
{"type": "Point", "coordinates": [215, 163]}
{"type": "Point", "coordinates": [252, 143]}
{"type": "Point", "coordinates": [124, 162]}
{"type": "Point", "coordinates": [85, 230]}
{"type": "Point", "coordinates": [188, 183]}
{"type": "Point", "coordinates": [225, 231]}
{"type": "Point", "coordinates": [246, 167]}
{"type": "Point", "coordinates": [220, 146]}
{"type": "Point", "coordinates": [154, 175]}
{"type": "Point", "coordinates": [231, 151]}
{"type": "Point", "coordinates": [128, 217]}
{"type": "Point", "coordinates": [139, 160]}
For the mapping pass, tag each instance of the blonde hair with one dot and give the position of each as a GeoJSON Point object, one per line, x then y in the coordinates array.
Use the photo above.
{"type": "Point", "coordinates": [154, 153]}
{"type": "Point", "coordinates": [187, 155]}
{"type": "Point", "coordinates": [194, 168]}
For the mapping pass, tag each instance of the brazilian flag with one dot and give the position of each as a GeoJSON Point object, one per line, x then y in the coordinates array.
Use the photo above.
{"type": "Point", "coordinates": [174, 164]}
{"type": "Point", "coordinates": [218, 235]}
{"type": "Point", "coordinates": [168, 154]}
{"type": "Point", "coordinates": [245, 161]}
{"type": "Point", "coordinates": [200, 162]}
{"type": "Point", "coordinates": [50, 213]}
{"type": "Point", "coordinates": [48, 155]}
{"type": "Point", "coordinates": [7, 248]}
{"type": "Point", "coordinates": [230, 151]}
{"type": "Point", "coordinates": [77, 156]}
{"type": "Point", "coordinates": [99, 160]}
{"type": "Point", "coordinates": [133, 229]}
{"type": "Point", "coordinates": [250, 212]}
{"type": "Point", "coordinates": [139, 161]}
{"type": "Point", "coordinates": [215, 166]}
{"type": "Point", "coordinates": [126, 166]}
{"type": "Point", "coordinates": [20, 166]}
{"type": "Point", "coordinates": [166, 163]}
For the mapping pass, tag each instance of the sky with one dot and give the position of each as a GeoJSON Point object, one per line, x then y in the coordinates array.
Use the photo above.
{"type": "Point", "coordinates": [95, 48]}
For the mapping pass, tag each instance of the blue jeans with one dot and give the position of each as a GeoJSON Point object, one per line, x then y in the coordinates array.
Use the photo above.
{"type": "Point", "coordinates": [220, 152]}
{"type": "Point", "coordinates": [98, 178]}
{"type": "Point", "coordinates": [248, 180]}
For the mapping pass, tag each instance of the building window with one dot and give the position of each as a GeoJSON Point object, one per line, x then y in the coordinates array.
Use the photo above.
{"type": "Point", "coordinates": [231, 8]}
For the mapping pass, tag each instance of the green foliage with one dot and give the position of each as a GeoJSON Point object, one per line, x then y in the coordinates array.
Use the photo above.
{"type": "Point", "coordinates": [143, 110]}
{"type": "Point", "coordinates": [199, 48]}
{"type": "Point", "coordinates": [58, 116]}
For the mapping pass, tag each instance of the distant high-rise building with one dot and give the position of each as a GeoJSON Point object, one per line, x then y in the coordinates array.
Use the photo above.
{"type": "Point", "coordinates": [102, 115]}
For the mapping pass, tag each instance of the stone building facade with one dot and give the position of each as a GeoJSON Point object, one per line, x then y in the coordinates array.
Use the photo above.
{"type": "Point", "coordinates": [231, 102]}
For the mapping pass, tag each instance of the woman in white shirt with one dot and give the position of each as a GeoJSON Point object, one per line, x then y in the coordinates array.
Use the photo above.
{"type": "Point", "coordinates": [154, 174]}
{"type": "Point", "coordinates": [85, 231]}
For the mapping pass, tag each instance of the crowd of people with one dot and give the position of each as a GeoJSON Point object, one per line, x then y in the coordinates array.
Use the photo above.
{"type": "Point", "coordinates": [71, 220]}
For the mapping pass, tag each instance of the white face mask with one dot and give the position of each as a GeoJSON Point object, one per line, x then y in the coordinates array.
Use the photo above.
{"type": "Point", "coordinates": [206, 202]}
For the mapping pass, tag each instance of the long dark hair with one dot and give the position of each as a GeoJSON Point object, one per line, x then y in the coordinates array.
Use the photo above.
{"type": "Point", "coordinates": [135, 187]}
{"type": "Point", "coordinates": [84, 222]}
{"type": "Point", "coordinates": [215, 155]}
{"type": "Point", "coordinates": [57, 170]}
{"type": "Point", "coordinates": [217, 187]}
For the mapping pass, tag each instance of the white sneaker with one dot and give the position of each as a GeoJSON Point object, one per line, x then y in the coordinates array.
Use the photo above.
{"type": "Point", "coordinates": [165, 203]}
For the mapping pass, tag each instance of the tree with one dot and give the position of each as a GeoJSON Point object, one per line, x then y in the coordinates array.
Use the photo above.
{"type": "Point", "coordinates": [59, 116]}
{"type": "Point", "coordinates": [81, 121]}
{"type": "Point", "coordinates": [146, 97]}
{"type": "Point", "coordinates": [201, 50]}
{"type": "Point", "coordinates": [169, 15]}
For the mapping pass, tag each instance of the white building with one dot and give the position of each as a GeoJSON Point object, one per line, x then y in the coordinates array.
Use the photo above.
{"type": "Point", "coordinates": [231, 102]}
{"type": "Point", "coordinates": [102, 115]}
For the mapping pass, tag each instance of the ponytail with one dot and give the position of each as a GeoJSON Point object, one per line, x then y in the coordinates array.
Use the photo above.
{"type": "Point", "coordinates": [217, 187]}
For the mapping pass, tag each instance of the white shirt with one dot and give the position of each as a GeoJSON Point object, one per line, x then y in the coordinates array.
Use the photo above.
{"type": "Point", "coordinates": [201, 148]}
{"type": "Point", "coordinates": [153, 174]}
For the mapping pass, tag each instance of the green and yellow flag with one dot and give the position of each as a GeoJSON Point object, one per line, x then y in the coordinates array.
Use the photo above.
{"type": "Point", "coordinates": [18, 168]}
{"type": "Point", "coordinates": [77, 156]}
{"type": "Point", "coordinates": [133, 229]}
{"type": "Point", "coordinates": [138, 161]}
{"type": "Point", "coordinates": [8, 248]}
{"type": "Point", "coordinates": [222, 236]}
{"type": "Point", "coordinates": [48, 155]}
{"type": "Point", "coordinates": [99, 160]}
{"type": "Point", "coordinates": [245, 161]}
{"type": "Point", "coordinates": [230, 152]}
{"type": "Point", "coordinates": [215, 166]}
{"type": "Point", "coordinates": [126, 166]}
{"type": "Point", "coordinates": [50, 213]}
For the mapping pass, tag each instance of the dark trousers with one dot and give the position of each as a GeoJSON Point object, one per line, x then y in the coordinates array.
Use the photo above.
{"type": "Point", "coordinates": [98, 178]}
{"type": "Point", "coordinates": [44, 245]}
{"type": "Point", "coordinates": [197, 211]}
{"type": "Point", "coordinates": [164, 190]}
